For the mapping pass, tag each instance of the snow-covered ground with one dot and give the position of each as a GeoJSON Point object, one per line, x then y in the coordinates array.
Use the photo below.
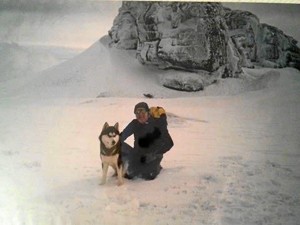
{"type": "Point", "coordinates": [236, 158]}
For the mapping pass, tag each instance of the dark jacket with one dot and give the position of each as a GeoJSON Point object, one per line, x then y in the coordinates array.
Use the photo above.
{"type": "Point", "coordinates": [151, 137]}
{"type": "Point", "coordinates": [151, 141]}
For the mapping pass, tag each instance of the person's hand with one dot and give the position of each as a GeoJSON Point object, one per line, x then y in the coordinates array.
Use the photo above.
{"type": "Point", "coordinates": [149, 138]}
{"type": "Point", "coordinates": [143, 159]}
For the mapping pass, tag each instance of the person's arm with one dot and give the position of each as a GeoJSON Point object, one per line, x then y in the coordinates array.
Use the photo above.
{"type": "Point", "coordinates": [128, 131]}
{"type": "Point", "coordinates": [165, 143]}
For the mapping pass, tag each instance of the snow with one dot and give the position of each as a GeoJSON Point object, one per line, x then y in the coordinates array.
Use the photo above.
{"type": "Point", "coordinates": [18, 59]}
{"type": "Point", "coordinates": [236, 158]}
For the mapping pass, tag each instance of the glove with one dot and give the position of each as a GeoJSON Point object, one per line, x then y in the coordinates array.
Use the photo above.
{"type": "Point", "coordinates": [143, 159]}
{"type": "Point", "coordinates": [149, 138]}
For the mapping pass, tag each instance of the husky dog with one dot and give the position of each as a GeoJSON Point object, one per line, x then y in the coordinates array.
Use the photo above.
{"type": "Point", "coordinates": [110, 149]}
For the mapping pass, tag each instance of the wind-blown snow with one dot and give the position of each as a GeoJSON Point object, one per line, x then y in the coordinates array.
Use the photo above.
{"type": "Point", "coordinates": [235, 159]}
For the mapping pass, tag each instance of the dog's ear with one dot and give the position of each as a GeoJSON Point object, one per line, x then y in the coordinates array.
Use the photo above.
{"type": "Point", "coordinates": [117, 126]}
{"type": "Point", "coordinates": [105, 126]}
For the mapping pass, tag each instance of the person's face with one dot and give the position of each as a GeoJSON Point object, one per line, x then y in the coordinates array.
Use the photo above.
{"type": "Point", "coordinates": [142, 115]}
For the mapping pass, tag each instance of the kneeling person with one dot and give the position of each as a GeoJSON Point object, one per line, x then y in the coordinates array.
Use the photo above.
{"type": "Point", "coordinates": [151, 141]}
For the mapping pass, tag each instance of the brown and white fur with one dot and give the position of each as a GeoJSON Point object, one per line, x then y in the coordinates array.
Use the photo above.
{"type": "Point", "coordinates": [110, 150]}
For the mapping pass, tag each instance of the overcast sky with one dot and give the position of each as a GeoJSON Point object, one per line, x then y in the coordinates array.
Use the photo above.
{"type": "Point", "coordinates": [68, 23]}
{"type": "Point", "coordinates": [79, 23]}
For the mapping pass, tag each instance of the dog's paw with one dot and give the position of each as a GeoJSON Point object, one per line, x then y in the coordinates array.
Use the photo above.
{"type": "Point", "coordinates": [120, 182]}
{"type": "Point", "coordinates": [102, 183]}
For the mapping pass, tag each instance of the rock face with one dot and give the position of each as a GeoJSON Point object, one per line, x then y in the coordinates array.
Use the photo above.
{"type": "Point", "coordinates": [197, 36]}
{"type": "Point", "coordinates": [261, 44]}
{"type": "Point", "coordinates": [189, 36]}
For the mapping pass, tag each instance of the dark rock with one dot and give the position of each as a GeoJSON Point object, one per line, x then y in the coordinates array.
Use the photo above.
{"type": "Point", "coordinates": [181, 35]}
{"type": "Point", "coordinates": [260, 44]}
{"type": "Point", "coordinates": [149, 95]}
{"type": "Point", "coordinates": [185, 82]}
{"type": "Point", "coordinates": [197, 36]}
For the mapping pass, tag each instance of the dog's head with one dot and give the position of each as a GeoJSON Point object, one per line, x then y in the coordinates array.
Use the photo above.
{"type": "Point", "coordinates": [110, 135]}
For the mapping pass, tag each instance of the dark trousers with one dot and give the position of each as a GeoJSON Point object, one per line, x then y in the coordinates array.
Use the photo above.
{"type": "Point", "coordinates": [140, 165]}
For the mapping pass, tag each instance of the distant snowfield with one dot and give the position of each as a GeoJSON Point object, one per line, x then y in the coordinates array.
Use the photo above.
{"type": "Point", "coordinates": [236, 158]}
{"type": "Point", "coordinates": [19, 61]}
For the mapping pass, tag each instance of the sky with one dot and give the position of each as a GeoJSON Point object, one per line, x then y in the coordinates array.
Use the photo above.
{"type": "Point", "coordinates": [78, 23]}
{"type": "Point", "coordinates": [73, 24]}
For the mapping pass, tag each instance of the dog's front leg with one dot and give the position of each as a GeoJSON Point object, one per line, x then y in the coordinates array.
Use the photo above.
{"type": "Point", "coordinates": [104, 173]}
{"type": "Point", "coordinates": [120, 175]}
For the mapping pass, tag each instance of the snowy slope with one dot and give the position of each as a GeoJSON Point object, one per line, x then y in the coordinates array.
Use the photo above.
{"type": "Point", "coordinates": [93, 73]}
{"type": "Point", "coordinates": [101, 71]}
{"type": "Point", "coordinates": [236, 156]}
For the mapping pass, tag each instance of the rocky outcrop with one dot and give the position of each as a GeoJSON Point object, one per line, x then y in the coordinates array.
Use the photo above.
{"type": "Point", "coordinates": [183, 81]}
{"type": "Point", "coordinates": [261, 44]}
{"type": "Point", "coordinates": [277, 48]}
{"type": "Point", "coordinates": [181, 35]}
{"type": "Point", "coordinates": [196, 36]}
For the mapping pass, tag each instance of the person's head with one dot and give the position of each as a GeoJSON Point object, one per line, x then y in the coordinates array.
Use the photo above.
{"type": "Point", "coordinates": [141, 111]}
